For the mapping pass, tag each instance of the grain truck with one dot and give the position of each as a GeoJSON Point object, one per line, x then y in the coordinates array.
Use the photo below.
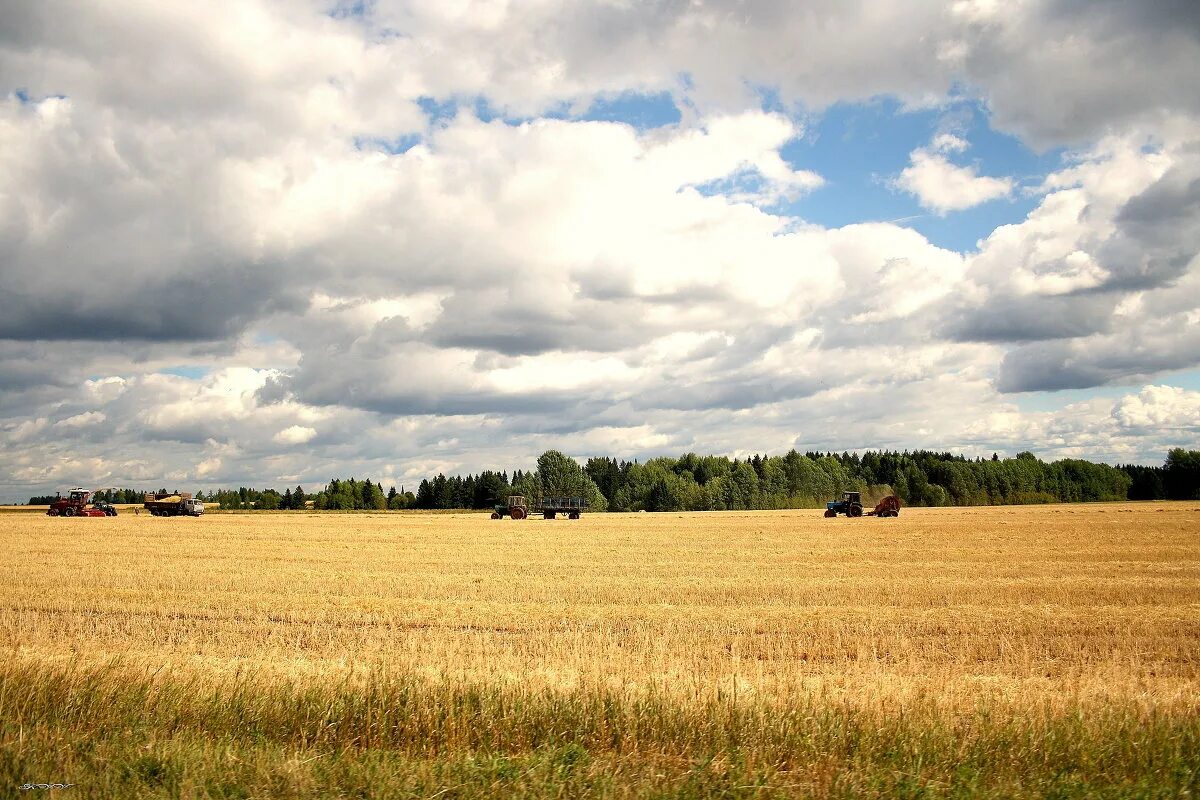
{"type": "Point", "coordinates": [180, 504]}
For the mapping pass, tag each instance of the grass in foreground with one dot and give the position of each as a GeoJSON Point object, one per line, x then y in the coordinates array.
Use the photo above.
{"type": "Point", "coordinates": [118, 732]}
{"type": "Point", "coordinates": [951, 652]}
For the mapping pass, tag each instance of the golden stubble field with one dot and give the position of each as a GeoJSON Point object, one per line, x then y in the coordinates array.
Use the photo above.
{"type": "Point", "coordinates": [1022, 606]}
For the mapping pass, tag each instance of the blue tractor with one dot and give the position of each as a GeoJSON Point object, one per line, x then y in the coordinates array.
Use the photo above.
{"type": "Point", "coordinates": [850, 505]}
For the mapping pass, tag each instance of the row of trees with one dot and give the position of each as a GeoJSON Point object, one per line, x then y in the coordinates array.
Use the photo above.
{"type": "Point", "coordinates": [1177, 479]}
{"type": "Point", "coordinates": [351, 495]}
{"type": "Point", "coordinates": [798, 480]}
{"type": "Point", "coordinates": [795, 480]}
{"type": "Point", "coordinates": [338, 495]}
{"type": "Point", "coordinates": [266, 499]}
{"type": "Point", "coordinates": [556, 475]}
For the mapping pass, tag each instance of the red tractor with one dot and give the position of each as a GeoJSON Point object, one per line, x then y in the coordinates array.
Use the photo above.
{"type": "Point", "coordinates": [76, 504]}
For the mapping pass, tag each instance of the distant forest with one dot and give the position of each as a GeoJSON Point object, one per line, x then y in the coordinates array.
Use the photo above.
{"type": "Point", "coordinates": [715, 483]}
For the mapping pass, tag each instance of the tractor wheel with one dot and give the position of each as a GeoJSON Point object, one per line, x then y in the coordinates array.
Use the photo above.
{"type": "Point", "coordinates": [573, 515]}
{"type": "Point", "coordinates": [495, 515]}
{"type": "Point", "coordinates": [518, 513]}
{"type": "Point", "coordinates": [829, 512]}
{"type": "Point", "coordinates": [855, 510]}
{"type": "Point", "coordinates": [69, 511]}
{"type": "Point", "coordinates": [53, 512]}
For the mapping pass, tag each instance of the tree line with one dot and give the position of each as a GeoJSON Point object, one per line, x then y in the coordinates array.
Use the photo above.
{"type": "Point", "coordinates": [338, 495]}
{"type": "Point", "coordinates": [703, 483]}
{"type": "Point", "coordinates": [807, 480]}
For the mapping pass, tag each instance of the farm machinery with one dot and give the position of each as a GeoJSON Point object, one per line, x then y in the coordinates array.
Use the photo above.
{"type": "Point", "coordinates": [851, 505]}
{"type": "Point", "coordinates": [548, 507]}
{"type": "Point", "coordinates": [181, 504]}
{"type": "Point", "coordinates": [78, 503]}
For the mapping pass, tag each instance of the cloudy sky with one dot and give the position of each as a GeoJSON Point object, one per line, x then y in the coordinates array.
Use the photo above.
{"type": "Point", "coordinates": [270, 243]}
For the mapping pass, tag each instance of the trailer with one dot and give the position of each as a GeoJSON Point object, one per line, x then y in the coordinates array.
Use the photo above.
{"type": "Point", "coordinates": [548, 507]}
{"type": "Point", "coordinates": [173, 505]}
{"type": "Point", "coordinates": [572, 507]}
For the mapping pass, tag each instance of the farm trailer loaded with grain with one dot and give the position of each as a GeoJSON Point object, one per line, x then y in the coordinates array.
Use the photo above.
{"type": "Point", "coordinates": [548, 507]}
{"type": "Point", "coordinates": [173, 505]}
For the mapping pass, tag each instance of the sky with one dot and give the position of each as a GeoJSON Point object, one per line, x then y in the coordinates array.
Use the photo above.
{"type": "Point", "coordinates": [272, 243]}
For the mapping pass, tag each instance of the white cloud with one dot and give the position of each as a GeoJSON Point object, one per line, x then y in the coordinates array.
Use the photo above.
{"type": "Point", "coordinates": [1133, 428]}
{"type": "Point", "coordinates": [1099, 284]}
{"type": "Point", "coordinates": [83, 420]}
{"type": "Point", "coordinates": [26, 429]}
{"type": "Point", "coordinates": [942, 186]}
{"type": "Point", "coordinates": [295, 434]}
{"type": "Point", "coordinates": [948, 143]}
{"type": "Point", "coordinates": [1160, 409]}
{"type": "Point", "coordinates": [207, 467]}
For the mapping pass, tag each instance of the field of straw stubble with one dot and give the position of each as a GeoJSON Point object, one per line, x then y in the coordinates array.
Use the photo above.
{"type": "Point", "coordinates": [1012, 651]}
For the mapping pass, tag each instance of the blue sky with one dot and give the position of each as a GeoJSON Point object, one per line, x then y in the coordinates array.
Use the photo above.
{"type": "Point", "coordinates": [860, 148]}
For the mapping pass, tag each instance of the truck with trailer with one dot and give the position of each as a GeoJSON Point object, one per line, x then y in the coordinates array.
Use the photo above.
{"type": "Point", "coordinates": [180, 504]}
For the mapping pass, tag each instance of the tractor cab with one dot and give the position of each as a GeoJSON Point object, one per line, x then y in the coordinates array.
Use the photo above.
{"type": "Point", "coordinates": [850, 505]}
{"type": "Point", "coordinates": [516, 507]}
{"type": "Point", "coordinates": [80, 496]}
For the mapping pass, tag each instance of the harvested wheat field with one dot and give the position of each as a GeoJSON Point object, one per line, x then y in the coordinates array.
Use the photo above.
{"type": "Point", "coordinates": [1005, 651]}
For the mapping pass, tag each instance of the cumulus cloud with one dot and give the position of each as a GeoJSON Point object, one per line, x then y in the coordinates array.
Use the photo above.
{"type": "Point", "coordinates": [942, 186]}
{"type": "Point", "coordinates": [207, 467]}
{"type": "Point", "coordinates": [81, 420]}
{"type": "Point", "coordinates": [1159, 409]}
{"type": "Point", "coordinates": [295, 434]}
{"type": "Point", "coordinates": [1099, 283]}
{"type": "Point", "coordinates": [221, 234]}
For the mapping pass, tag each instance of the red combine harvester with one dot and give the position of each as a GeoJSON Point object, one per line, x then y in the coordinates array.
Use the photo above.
{"type": "Point", "coordinates": [77, 503]}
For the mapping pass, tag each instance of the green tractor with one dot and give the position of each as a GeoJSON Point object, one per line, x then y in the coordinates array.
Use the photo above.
{"type": "Point", "coordinates": [516, 507]}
